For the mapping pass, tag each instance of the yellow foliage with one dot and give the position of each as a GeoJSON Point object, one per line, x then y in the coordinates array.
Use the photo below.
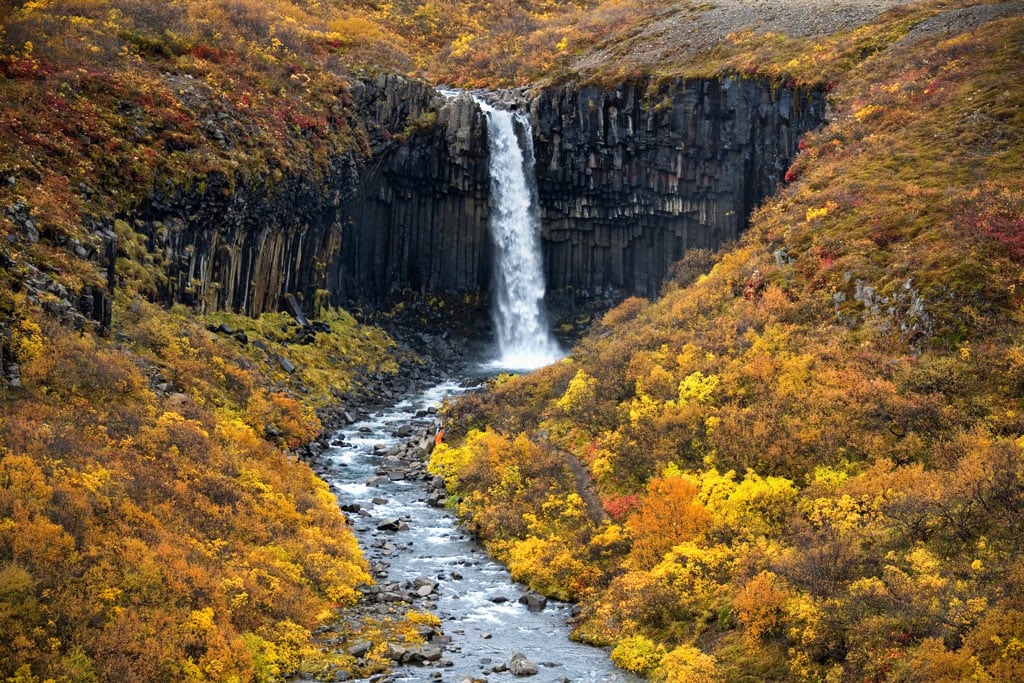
{"type": "Point", "coordinates": [687, 664]}
{"type": "Point", "coordinates": [638, 654]}
{"type": "Point", "coordinates": [813, 213]}
{"type": "Point", "coordinates": [927, 568]}
{"type": "Point", "coordinates": [263, 543]}
{"type": "Point", "coordinates": [461, 46]}
{"type": "Point", "coordinates": [845, 514]}
{"type": "Point", "coordinates": [426, 618]}
{"type": "Point", "coordinates": [857, 420]}
{"type": "Point", "coordinates": [759, 505]}
{"type": "Point", "coordinates": [578, 395]}
{"type": "Point", "coordinates": [643, 409]}
{"type": "Point", "coordinates": [549, 565]}
{"type": "Point", "coordinates": [803, 617]}
{"type": "Point", "coordinates": [447, 461]}
{"type": "Point", "coordinates": [828, 476]}
{"type": "Point", "coordinates": [27, 341]}
{"type": "Point", "coordinates": [696, 387]}
{"type": "Point", "coordinates": [698, 574]}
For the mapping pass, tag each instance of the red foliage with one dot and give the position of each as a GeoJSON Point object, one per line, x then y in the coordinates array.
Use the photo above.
{"type": "Point", "coordinates": [999, 217]}
{"type": "Point", "coordinates": [209, 54]}
{"type": "Point", "coordinates": [13, 66]}
{"type": "Point", "coordinates": [620, 506]}
{"type": "Point", "coordinates": [1007, 229]}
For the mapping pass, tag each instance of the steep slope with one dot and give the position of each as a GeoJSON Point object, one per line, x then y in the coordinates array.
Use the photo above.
{"type": "Point", "coordinates": [807, 452]}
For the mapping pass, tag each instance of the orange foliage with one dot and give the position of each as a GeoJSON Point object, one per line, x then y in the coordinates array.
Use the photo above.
{"type": "Point", "coordinates": [759, 606]}
{"type": "Point", "coordinates": [870, 391]}
{"type": "Point", "coordinates": [667, 515]}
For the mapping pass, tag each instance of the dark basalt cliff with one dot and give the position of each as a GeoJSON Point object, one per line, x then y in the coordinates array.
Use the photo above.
{"type": "Point", "coordinates": [628, 179]}
{"type": "Point", "coordinates": [417, 219]}
{"type": "Point", "coordinates": [408, 211]}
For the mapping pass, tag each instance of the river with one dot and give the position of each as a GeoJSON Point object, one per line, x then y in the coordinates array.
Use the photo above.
{"type": "Point", "coordinates": [475, 598]}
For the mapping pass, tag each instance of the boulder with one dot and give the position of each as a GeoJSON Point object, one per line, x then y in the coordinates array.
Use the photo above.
{"type": "Point", "coordinates": [359, 648]}
{"type": "Point", "coordinates": [392, 524]}
{"type": "Point", "coordinates": [397, 653]}
{"type": "Point", "coordinates": [534, 601]}
{"type": "Point", "coordinates": [519, 665]}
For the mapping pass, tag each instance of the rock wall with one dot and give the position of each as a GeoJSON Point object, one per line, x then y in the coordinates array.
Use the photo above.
{"type": "Point", "coordinates": [239, 247]}
{"type": "Point", "coordinates": [628, 178]}
{"type": "Point", "coordinates": [418, 219]}
{"type": "Point", "coordinates": [406, 211]}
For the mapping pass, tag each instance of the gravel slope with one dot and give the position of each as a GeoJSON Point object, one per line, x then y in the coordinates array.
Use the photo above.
{"type": "Point", "coordinates": [688, 28]}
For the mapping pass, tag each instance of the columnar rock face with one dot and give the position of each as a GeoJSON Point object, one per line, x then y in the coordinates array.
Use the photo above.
{"type": "Point", "coordinates": [243, 248]}
{"type": "Point", "coordinates": [407, 212]}
{"type": "Point", "coordinates": [629, 178]}
{"type": "Point", "coordinates": [418, 220]}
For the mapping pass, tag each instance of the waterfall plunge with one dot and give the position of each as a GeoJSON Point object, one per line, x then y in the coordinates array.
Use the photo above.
{"type": "Point", "coordinates": [524, 339]}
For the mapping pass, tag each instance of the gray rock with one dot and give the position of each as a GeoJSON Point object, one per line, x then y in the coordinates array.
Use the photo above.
{"type": "Point", "coordinates": [431, 654]}
{"type": "Point", "coordinates": [359, 648]}
{"type": "Point", "coordinates": [396, 652]}
{"type": "Point", "coordinates": [535, 602]}
{"type": "Point", "coordinates": [392, 524]}
{"type": "Point", "coordinates": [519, 665]}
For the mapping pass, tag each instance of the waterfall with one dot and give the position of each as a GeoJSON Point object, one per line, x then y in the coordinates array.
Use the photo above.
{"type": "Point", "coordinates": [524, 338]}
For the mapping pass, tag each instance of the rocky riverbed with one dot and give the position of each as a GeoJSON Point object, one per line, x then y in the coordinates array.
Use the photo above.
{"type": "Point", "coordinates": [491, 629]}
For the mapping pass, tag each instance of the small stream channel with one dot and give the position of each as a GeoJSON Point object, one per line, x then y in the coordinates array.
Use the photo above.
{"type": "Point", "coordinates": [421, 552]}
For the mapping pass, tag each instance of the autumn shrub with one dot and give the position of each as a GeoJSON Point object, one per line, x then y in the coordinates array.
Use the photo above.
{"type": "Point", "coordinates": [150, 536]}
{"type": "Point", "coordinates": [687, 664]}
{"type": "Point", "coordinates": [668, 514]}
{"type": "Point", "coordinates": [637, 654]}
{"type": "Point", "coordinates": [759, 606]}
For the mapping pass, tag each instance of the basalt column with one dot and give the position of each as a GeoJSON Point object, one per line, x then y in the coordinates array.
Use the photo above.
{"type": "Point", "coordinates": [630, 178]}
{"type": "Point", "coordinates": [418, 222]}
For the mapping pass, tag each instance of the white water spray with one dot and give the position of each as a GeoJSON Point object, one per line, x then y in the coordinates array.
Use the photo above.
{"type": "Point", "coordinates": [524, 338]}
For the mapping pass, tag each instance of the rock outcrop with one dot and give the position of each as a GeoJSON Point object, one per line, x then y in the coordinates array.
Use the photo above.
{"type": "Point", "coordinates": [628, 177]}
{"type": "Point", "coordinates": [418, 218]}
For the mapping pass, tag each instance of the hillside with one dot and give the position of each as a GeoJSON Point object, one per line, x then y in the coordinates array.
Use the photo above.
{"type": "Point", "coordinates": [800, 462]}
{"type": "Point", "coordinates": [803, 461]}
